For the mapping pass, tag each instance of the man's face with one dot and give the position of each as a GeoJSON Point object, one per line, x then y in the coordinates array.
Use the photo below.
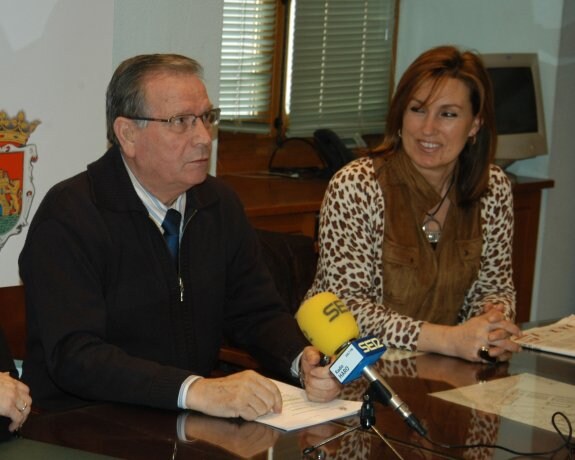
{"type": "Point", "coordinates": [168, 163]}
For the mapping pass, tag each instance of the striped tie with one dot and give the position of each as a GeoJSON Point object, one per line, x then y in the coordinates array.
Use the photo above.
{"type": "Point", "coordinates": [171, 226]}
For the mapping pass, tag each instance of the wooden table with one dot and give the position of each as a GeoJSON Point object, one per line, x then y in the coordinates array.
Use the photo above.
{"type": "Point", "coordinates": [131, 432]}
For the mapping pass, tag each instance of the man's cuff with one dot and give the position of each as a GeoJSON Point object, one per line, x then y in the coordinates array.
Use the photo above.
{"type": "Point", "coordinates": [184, 390]}
{"type": "Point", "coordinates": [295, 369]}
{"type": "Point", "coordinates": [181, 426]}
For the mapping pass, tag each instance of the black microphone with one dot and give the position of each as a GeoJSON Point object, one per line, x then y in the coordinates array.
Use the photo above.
{"type": "Point", "coordinates": [332, 329]}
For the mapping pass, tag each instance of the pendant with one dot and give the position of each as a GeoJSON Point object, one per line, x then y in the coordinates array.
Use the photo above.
{"type": "Point", "coordinates": [432, 229]}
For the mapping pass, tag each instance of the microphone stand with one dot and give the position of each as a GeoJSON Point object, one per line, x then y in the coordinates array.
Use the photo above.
{"type": "Point", "coordinates": [366, 422]}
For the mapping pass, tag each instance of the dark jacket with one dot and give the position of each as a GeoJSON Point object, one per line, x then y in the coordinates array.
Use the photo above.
{"type": "Point", "coordinates": [108, 318]}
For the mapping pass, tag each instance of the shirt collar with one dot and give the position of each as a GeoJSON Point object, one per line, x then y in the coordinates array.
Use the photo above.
{"type": "Point", "coordinates": [156, 209]}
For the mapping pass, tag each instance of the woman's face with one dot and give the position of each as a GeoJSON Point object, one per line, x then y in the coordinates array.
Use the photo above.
{"type": "Point", "coordinates": [434, 133]}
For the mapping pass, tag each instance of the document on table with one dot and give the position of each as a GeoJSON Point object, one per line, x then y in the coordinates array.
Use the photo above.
{"type": "Point", "coordinates": [397, 354]}
{"type": "Point", "coordinates": [299, 412]}
{"type": "Point", "coordinates": [524, 398]}
{"type": "Point", "coordinates": [557, 338]}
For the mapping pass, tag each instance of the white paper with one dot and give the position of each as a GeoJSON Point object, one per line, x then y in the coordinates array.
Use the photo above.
{"type": "Point", "coordinates": [397, 354]}
{"type": "Point", "coordinates": [524, 398]}
{"type": "Point", "coordinates": [558, 337]}
{"type": "Point", "coordinates": [299, 412]}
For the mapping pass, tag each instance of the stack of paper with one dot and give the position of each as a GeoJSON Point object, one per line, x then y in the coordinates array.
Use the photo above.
{"type": "Point", "coordinates": [299, 412]}
{"type": "Point", "coordinates": [558, 337]}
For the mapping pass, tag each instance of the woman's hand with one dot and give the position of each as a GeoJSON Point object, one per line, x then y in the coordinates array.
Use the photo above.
{"type": "Point", "coordinates": [490, 329]}
{"type": "Point", "coordinates": [15, 400]}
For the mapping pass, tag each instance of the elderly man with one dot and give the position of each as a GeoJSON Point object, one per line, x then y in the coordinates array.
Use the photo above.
{"type": "Point", "coordinates": [136, 269]}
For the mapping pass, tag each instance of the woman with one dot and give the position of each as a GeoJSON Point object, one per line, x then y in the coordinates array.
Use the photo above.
{"type": "Point", "coordinates": [416, 239]}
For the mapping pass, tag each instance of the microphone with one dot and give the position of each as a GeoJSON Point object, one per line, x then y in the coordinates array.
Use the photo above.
{"type": "Point", "coordinates": [331, 328]}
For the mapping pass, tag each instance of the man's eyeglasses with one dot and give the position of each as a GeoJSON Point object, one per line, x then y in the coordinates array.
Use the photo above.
{"type": "Point", "coordinates": [182, 123]}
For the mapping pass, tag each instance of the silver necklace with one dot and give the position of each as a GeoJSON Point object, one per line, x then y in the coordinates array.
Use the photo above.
{"type": "Point", "coordinates": [431, 226]}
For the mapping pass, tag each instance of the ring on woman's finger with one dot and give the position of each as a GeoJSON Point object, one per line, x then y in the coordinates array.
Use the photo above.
{"type": "Point", "coordinates": [23, 408]}
{"type": "Point", "coordinates": [483, 353]}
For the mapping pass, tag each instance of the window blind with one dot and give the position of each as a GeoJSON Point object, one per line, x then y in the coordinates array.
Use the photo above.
{"type": "Point", "coordinates": [341, 66]}
{"type": "Point", "coordinates": [248, 46]}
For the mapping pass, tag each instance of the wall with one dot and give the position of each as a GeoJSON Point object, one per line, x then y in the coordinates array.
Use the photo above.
{"type": "Point", "coordinates": [555, 290]}
{"type": "Point", "coordinates": [539, 26]}
{"type": "Point", "coordinates": [56, 60]}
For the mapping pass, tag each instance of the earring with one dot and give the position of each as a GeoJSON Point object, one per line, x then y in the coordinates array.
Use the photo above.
{"type": "Point", "coordinates": [399, 133]}
{"type": "Point", "coordinates": [473, 139]}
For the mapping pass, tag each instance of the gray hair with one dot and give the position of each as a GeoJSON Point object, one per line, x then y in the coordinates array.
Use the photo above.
{"type": "Point", "coordinates": [125, 96]}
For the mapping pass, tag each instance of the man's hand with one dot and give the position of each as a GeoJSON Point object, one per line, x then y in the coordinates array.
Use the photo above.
{"type": "Point", "coordinates": [245, 394]}
{"type": "Point", "coordinates": [246, 439]}
{"type": "Point", "coordinates": [320, 384]}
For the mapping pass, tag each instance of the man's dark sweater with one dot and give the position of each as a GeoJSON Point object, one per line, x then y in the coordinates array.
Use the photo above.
{"type": "Point", "coordinates": [109, 316]}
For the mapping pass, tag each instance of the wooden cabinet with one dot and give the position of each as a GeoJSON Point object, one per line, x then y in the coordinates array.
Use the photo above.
{"type": "Point", "coordinates": [292, 205]}
{"type": "Point", "coordinates": [526, 207]}
{"type": "Point", "coordinates": [278, 203]}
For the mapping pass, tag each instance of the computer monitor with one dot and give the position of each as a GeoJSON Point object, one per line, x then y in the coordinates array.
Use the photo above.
{"type": "Point", "coordinates": [518, 106]}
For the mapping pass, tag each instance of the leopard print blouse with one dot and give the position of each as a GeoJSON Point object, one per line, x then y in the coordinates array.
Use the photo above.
{"type": "Point", "coordinates": [350, 237]}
